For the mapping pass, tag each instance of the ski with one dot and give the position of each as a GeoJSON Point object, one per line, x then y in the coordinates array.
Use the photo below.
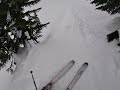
{"type": "Point", "coordinates": [62, 72]}
{"type": "Point", "coordinates": [77, 76]}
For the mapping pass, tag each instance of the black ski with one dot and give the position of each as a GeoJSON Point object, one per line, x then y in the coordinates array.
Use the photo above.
{"type": "Point", "coordinates": [77, 76]}
{"type": "Point", "coordinates": [59, 75]}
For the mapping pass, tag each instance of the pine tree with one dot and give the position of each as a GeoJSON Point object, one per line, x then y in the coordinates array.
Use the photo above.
{"type": "Point", "coordinates": [111, 6]}
{"type": "Point", "coordinates": [17, 27]}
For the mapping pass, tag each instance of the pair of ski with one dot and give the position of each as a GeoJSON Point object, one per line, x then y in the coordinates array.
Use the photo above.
{"type": "Point", "coordinates": [63, 72]}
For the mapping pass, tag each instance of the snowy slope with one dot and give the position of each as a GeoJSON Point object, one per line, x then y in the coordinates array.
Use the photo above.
{"type": "Point", "coordinates": [77, 32]}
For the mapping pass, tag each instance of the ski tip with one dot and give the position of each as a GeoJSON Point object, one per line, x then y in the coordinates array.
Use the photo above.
{"type": "Point", "coordinates": [86, 63]}
{"type": "Point", "coordinates": [72, 61]}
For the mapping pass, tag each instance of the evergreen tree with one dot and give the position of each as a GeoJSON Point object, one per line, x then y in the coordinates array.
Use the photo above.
{"type": "Point", "coordinates": [17, 27]}
{"type": "Point", "coordinates": [111, 6]}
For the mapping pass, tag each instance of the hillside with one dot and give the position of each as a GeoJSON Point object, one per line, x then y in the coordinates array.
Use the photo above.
{"type": "Point", "coordinates": [77, 32]}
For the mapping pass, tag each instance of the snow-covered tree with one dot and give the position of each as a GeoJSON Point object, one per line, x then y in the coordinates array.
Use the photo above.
{"type": "Point", "coordinates": [111, 6]}
{"type": "Point", "coordinates": [17, 27]}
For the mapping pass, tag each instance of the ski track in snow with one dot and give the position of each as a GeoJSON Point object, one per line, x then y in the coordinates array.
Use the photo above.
{"type": "Point", "coordinates": [74, 34]}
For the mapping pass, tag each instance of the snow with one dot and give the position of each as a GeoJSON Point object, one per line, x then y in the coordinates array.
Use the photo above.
{"type": "Point", "coordinates": [4, 79]}
{"type": "Point", "coordinates": [77, 32]}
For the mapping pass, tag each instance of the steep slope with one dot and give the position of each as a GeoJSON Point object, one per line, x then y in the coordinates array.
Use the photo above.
{"type": "Point", "coordinates": [77, 32]}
